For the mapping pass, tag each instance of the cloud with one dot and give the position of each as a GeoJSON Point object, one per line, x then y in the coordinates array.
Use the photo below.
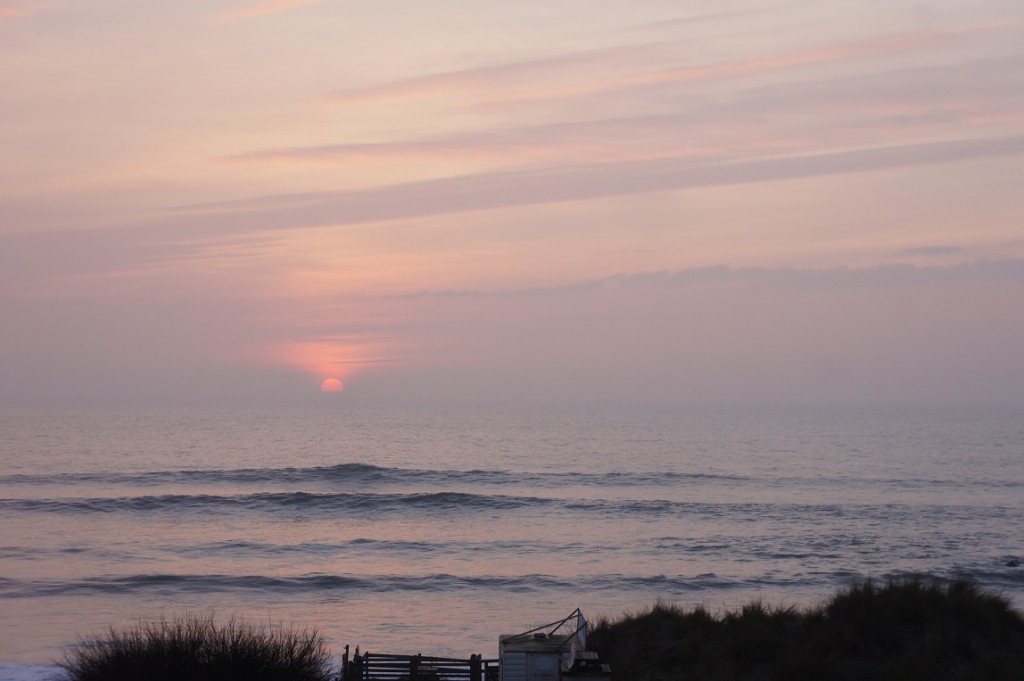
{"type": "Point", "coordinates": [485, 191]}
{"type": "Point", "coordinates": [16, 9]}
{"type": "Point", "coordinates": [523, 73]}
{"type": "Point", "coordinates": [190, 232]}
{"type": "Point", "coordinates": [975, 94]}
{"type": "Point", "coordinates": [623, 68]}
{"type": "Point", "coordinates": [273, 7]}
{"type": "Point", "coordinates": [679, 82]}
{"type": "Point", "coordinates": [864, 108]}
{"type": "Point", "coordinates": [368, 361]}
{"type": "Point", "coordinates": [597, 139]}
{"type": "Point", "coordinates": [709, 17]}
{"type": "Point", "coordinates": [875, 335]}
{"type": "Point", "coordinates": [930, 251]}
{"type": "Point", "coordinates": [700, 335]}
{"type": "Point", "coordinates": [887, 276]}
{"type": "Point", "coordinates": [196, 233]}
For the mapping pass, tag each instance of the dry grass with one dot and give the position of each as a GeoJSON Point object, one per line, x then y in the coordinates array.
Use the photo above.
{"type": "Point", "coordinates": [198, 649]}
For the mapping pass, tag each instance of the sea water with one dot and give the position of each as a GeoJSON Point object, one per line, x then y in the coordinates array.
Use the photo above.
{"type": "Point", "coordinates": [434, 531]}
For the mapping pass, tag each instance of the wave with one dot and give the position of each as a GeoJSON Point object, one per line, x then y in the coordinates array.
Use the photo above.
{"type": "Point", "coordinates": [364, 546]}
{"type": "Point", "coordinates": [317, 584]}
{"type": "Point", "coordinates": [323, 583]}
{"type": "Point", "coordinates": [391, 547]}
{"type": "Point", "coordinates": [363, 476]}
{"type": "Point", "coordinates": [368, 474]}
{"type": "Point", "coordinates": [359, 504]}
{"type": "Point", "coordinates": [276, 502]}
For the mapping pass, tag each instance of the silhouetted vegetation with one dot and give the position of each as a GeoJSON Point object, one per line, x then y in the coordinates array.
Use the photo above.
{"type": "Point", "coordinates": [902, 630]}
{"type": "Point", "coordinates": [906, 630]}
{"type": "Point", "coordinates": [198, 649]}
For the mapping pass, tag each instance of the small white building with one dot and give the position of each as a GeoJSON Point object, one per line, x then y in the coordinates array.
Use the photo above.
{"type": "Point", "coordinates": [551, 652]}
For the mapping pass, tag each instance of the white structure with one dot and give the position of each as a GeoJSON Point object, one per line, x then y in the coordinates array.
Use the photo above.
{"type": "Point", "coordinates": [550, 653]}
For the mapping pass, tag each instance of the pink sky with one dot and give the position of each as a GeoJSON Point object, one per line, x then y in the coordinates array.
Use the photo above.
{"type": "Point", "coordinates": [534, 202]}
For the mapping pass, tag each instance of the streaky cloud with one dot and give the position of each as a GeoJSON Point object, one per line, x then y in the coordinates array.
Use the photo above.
{"type": "Point", "coordinates": [525, 79]}
{"type": "Point", "coordinates": [17, 9]}
{"type": "Point", "coordinates": [369, 361]}
{"type": "Point", "coordinates": [707, 17]}
{"type": "Point", "coordinates": [485, 191]}
{"type": "Point", "coordinates": [489, 76]}
{"type": "Point", "coordinates": [188, 232]}
{"type": "Point", "coordinates": [926, 96]}
{"type": "Point", "coordinates": [508, 142]}
{"type": "Point", "coordinates": [273, 7]}
{"type": "Point", "coordinates": [936, 251]}
{"type": "Point", "coordinates": [892, 275]}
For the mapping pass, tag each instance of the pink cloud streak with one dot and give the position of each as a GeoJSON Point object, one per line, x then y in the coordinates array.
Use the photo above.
{"type": "Point", "coordinates": [275, 7]}
{"type": "Point", "coordinates": [958, 101]}
{"type": "Point", "coordinates": [507, 76]}
{"type": "Point", "coordinates": [16, 9]}
{"type": "Point", "coordinates": [870, 47]}
{"type": "Point", "coordinates": [490, 190]}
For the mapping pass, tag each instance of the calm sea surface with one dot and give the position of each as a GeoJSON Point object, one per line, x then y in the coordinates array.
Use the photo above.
{"type": "Point", "coordinates": [434, 531]}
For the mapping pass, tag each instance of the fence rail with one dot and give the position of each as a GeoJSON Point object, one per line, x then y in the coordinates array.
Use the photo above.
{"type": "Point", "coordinates": [384, 667]}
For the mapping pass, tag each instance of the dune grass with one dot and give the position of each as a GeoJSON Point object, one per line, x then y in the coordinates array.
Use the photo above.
{"type": "Point", "coordinates": [905, 629]}
{"type": "Point", "coordinates": [193, 648]}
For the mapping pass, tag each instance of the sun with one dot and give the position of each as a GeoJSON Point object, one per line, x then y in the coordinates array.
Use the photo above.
{"type": "Point", "coordinates": [331, 385]}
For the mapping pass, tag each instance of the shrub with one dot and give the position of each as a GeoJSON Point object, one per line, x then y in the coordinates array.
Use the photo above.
{"type": "Point", "coordinates": [198, 649]}
{"type": "Point", "coordinates": [901, 630]}
{"type": "Point", "coordinates": [915, 629]}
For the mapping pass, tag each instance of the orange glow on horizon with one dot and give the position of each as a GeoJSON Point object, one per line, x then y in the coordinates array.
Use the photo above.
{"type": "Point", "coordinates": [331, 385]}
{"type": "Point", "coordinates": [332, 362]}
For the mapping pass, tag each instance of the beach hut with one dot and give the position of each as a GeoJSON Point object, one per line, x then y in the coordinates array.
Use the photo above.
{"type": "Point", "coordinates": [551, 652]}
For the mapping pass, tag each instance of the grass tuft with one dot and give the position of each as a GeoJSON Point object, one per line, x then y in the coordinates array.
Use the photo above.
{"type": "Point", "coordinates": [195, 648]}
{"type": "Point", "coordinates": [902, 629]}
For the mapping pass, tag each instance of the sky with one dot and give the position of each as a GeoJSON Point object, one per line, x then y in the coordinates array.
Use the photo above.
{"type": "Point", "coordinates": [598, 202]}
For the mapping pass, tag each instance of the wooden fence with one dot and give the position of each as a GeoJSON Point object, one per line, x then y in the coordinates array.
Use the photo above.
{"type": "Point", "coordinates": [382, 667]}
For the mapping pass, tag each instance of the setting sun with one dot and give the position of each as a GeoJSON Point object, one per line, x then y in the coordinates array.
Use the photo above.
{"type": "Point", "coordinates": [331, 385]}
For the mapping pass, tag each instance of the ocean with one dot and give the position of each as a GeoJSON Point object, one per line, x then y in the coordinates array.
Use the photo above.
{"type": "Point", "coordinates": [434, 531]}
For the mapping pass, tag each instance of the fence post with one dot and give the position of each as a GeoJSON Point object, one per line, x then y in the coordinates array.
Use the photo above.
{"type": "Point", "coordinates": [474, 668]}
{"type": "Point", "coordinates": [414, 667]}
{"type": "Point", "coordinates": [356, 668]}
